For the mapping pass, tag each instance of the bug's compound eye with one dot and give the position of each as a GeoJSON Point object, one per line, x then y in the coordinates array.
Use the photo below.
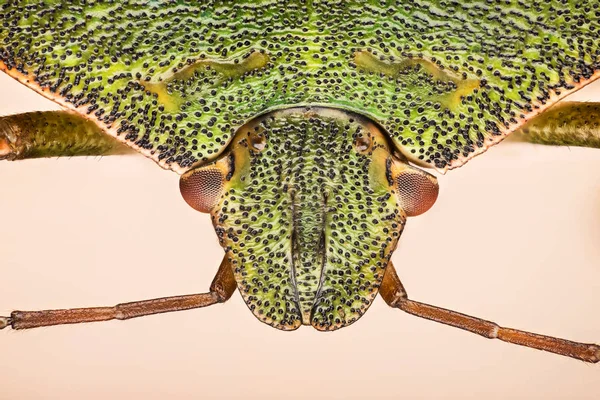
{"type": "Point", "coordinates": [416, 189]}
{"type": "Point", "coordinates": [201, 188]}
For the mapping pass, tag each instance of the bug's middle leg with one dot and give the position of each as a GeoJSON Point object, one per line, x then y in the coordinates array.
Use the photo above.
{"type": "Point", "coordinates": [54, 134]}
{"type": "Point", "coordinates": [221, 290]}
{"type": "Point", "coordinates": [394, 294]}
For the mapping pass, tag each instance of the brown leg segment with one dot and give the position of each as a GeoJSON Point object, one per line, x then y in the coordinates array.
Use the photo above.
{"type": "Point", "coordinates": [221, 290]}
{"type": "Point", "coordinates": [394, 295]}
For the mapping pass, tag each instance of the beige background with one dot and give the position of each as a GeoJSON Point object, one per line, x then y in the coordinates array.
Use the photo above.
{"type": "Point", "coordinates": [514, 238]}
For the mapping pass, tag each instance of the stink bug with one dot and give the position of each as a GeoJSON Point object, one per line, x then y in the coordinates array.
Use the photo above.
{"type": "Point", "coordinates": [303, 128]}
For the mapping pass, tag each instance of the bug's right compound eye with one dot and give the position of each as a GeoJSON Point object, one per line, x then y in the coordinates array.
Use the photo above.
{"type": "Point", "coordinates": [417, 190]}
{"type": "Point", "coordinates": [201, 188]}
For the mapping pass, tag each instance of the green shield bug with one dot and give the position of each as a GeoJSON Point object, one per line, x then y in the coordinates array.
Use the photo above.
{"type": "Point", "coordinates": [303, 128]}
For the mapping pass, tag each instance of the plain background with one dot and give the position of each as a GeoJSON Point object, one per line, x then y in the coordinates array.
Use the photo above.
{"type": "Point", "coordinates": [514, 238]}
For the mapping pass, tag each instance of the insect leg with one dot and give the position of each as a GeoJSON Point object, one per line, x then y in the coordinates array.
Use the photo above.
{"type": "Point", "coordinates": [54, 134]}
{"type": "Point", "coordinates": [221, 290]}
{"type": "Point", "coordinates": [394, 295]}
{"type": "Point", "coordinates": [565, 124]}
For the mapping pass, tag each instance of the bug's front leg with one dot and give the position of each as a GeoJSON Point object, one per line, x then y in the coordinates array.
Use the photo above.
{"type": "Point", "coordinates": [54, 134]}
{"type": "Point", "coordinates": [394, 294]}
{"type": "Point", "coordinates": [565, 124]}
{"type": "Point", "coordinates": [221, 290]}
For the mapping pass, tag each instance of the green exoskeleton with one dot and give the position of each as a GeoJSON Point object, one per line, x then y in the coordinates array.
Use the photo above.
{"type": "Point", "coordinates": [303, 128]}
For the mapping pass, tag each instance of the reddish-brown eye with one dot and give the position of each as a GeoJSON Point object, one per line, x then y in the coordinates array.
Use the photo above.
{"type": "Point", "coordinates": [202, 188]}
{"type": "Point", "coordinates": [417, 191]}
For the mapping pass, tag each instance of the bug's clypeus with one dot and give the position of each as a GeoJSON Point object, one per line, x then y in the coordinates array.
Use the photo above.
{"type": "Point", "coordinates": [303, 127]}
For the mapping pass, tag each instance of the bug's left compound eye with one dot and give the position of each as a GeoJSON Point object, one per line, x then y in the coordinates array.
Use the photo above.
{"type": "Point", "coordinates": [201, 188]}
{"type": "Point", "coordinates": [416, 189]}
